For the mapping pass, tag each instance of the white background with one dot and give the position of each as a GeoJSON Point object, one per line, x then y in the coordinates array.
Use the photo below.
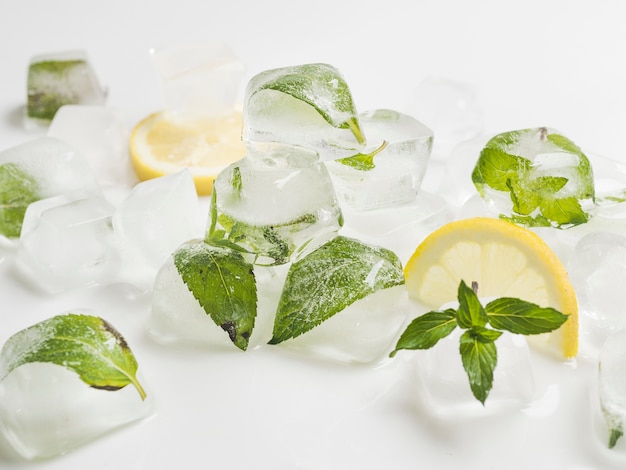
{"type": "Point", "coordinates": [531, 63]}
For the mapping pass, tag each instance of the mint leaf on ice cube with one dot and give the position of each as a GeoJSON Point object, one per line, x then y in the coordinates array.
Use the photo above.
{"type": "Point", "coordinates": [17, 191]}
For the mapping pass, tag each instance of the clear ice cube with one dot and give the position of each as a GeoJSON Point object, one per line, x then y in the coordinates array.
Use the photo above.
{"type": "Point", "coordinates": [200, 79]}
{"type": "Point", "coordinates": [101, 136]}
{"type": "Point", "coordinates": [273, 114]}
{"type": "Point", "coordinates": [611, 391]}
{"type": "Point", "coordinates": [68, 243]}
{"type": "Point", "coordinates": [362, 333]}
{"type": "Point", "coordinates": [596, 268]}
{"type": "Point", "coordinates": [152, 221]}
{"type": "Point", "coordinates": [58, 79]}
{"type": "Point", "coordinates": [442, 385]}
{"type": "Point", "coordinates": [398, 170]}
{"type": "Point", "coordinates": [273, 201]}
{"type": "Point", "coordinates": [46, 410]}
{"type": "Point", "coordinates": [451, 109]}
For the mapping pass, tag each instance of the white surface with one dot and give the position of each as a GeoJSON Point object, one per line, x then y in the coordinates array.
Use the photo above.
{"type": "Point", "coordinates": [552, 63]}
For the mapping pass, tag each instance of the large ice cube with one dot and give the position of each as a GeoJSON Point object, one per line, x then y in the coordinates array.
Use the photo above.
{"type": "Point", "coordinates": [362, 333]}
{"type": "Point", "coordinates": [537, 177]}
{"type": "Point", "coordinates": [101, 136]}
{"type": "Point", "coordinates": [156, 217]}
{"type": "Point", "coordinates": [396, 173]}
{"type": "Point", "coordinates": [68, 243]}
{"type": "Point", "coordinates": [442, 384]}
{"type": "Point", "coordinates": [308, 105]}
{"type": "Point", "coordinates": [200, 79]}
{"type": "Point", "coordinates": [273, 201]}
{"type": "Point", "coordinates": [597, 269]}
{"type": "Point", "coordinates": [57, 79]}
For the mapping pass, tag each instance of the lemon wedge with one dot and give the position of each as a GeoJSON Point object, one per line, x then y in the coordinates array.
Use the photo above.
{"type": "Point", "coordinates": [162, 144]}
{"type": "Point", "coordinates": [505, 260]}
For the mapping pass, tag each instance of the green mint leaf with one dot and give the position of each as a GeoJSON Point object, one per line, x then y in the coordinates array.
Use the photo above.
{"type": "Point", "coordinates": [470, 312]}
{"type": "Point", "coordinates": [614, 436]}
{"type": "Point", "coordinates": [521, 317]}
{"type": "Point", "coordinates": [479, 359]}
{"type": "Point", "coordinates": [330, 278]}
{"type": "Point", "coordinates": [527, 221]}
{"type": "Point", "coordinates": [84, 344]}
{"type": "Point", "coordinates": [236, 182]}
{"type": "Point", "coordinates": [486, 335]}
{"type": "Point", "coordinates": [17, 191]}
{"type": "Point", "coordinates": [426, 330]}
{"type": "Point", "coordinates": [564, 211]}
{"type": "Point", "coordinates": [361, 161]}
{"type": "Point", "coordinates": [44, 100]}
{"type": "Point", "coordinates": [224, 285]}
{"type": "Point", "coordinates": [524, 202]}
{"type": "Point", "coordinates": [496, 167]}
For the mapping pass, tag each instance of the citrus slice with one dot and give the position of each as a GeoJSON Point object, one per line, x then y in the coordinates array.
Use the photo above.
{"type": "Point", "coordinates": [162, 144]}
{"type": "Point", "coordinates": [505, 260]}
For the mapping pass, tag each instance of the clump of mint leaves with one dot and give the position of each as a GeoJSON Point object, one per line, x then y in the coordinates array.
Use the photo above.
{"type": "Point", "coordinates": [483, 326]}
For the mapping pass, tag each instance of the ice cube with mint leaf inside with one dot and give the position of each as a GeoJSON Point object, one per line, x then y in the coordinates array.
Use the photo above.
{"type": "Point", "coordinates": [536, 177]}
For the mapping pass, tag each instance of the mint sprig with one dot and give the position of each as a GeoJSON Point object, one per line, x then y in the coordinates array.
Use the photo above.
{"type": "Point", "coordinates": [483, 325]}
{"type": "Point", "coordinates": [363, 161]}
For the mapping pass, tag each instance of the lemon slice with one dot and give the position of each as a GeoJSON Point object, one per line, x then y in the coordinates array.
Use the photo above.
{"type": "Point", "coordinates": [506, 260]}
{"type": "Point", "coordinates": [162, 144]}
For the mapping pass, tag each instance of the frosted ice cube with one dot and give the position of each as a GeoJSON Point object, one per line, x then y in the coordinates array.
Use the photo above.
{"type": "Point", "coordinates": [451, 109]}
{"type": "Point", "coordinates": [611, 390]}
{"type": "Point", "coordinates": [597, 268]}
{"type": "Point", "coordinates": [442, 384]}
{"type": "Point", "coordinates": [270, 115]}
{"type": "Point", "coordinates": [156, 217]}
{"type": "Point", "coordinates": [177, 317]}
{"type": "Point", "coordinates": [68, 243]}
{"type": "Point", "coordinates": [398, 169]}
{"type": "Point", "coordinates": [58, 79]}
{"type": "Point", "coordinates": [101, 136]}
{"type": "Point", "coordinates": [273, 201]}
{"type": "Point", "coordinates": [363, 333]}
{"type": "Point", "coordinates": [536, 176]}
{"type": "Point", "coordinates": [200, 79]}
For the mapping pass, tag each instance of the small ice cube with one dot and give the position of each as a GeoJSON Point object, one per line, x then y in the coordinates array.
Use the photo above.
{"type": "Point", "coordinates": [200, 79]}
{"type": "Point", "coordinates": [443, 387]}
{"type": "Point", "coordinates": [101, 136]}
{"type": "Point", "coordinates": [362, 333]}
{"type": "Point", "coordinates": [68, 243]}
{"type": "Point", "coordinates": [156, 217]}
{"type": "Point", "coordinates": [398, 169]}
{"type": "Point", "coordinates": [308, 105]}
{"type": "Point", "coordinates": [597, 268]}
{"type": "Point", "coordinates": [612, 389]}
{"type": "Point", "coordinates": [451, 109]}
{"type": "Point", "coordinates": [273, 201]}
{"type": "Point", "coordinates": [58, 79]}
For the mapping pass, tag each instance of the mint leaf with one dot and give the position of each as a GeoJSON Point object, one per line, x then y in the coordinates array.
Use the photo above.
{"type": "Point", "coordinates": [496, 168]}
{"type": "Point", "coordinates": [361, 161]}
{"type": "Point", "coordinates": [614, 436]}
{"type": "Point", "coordinates": [564, 211]}
{"type": "Point", "coordinates": [330, 278]}
{"type": "Point", "coordinates": [224, 284]}
{"type": "Point", "coordinates": [479, 359]}
{"type": "Point", "coordinates": [84, 344]}
{"type": "Point", "coordinates": [425, 331]}
{"type": "Point", "coordinates": [521, 317]}
{"type": "Point", "coordinates": [470, 312]}
{"type": "Point", "coordinates": [17, 191]}
{"type": "Point", "coordinates": [524, 202]}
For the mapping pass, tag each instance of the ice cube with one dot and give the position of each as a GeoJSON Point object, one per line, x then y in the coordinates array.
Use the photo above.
{"type": "Point", "coordinates": [200, 79]}
{"type": "Point", "coordinates": [398, 169]}
{"type": "Point", "coordinates": [156, 217]}
{"type": "Point", "coordinates": [308, 105]}
{"type": "Point", "coordinates": [443, 388]}
{"type": "Point", "coordinates": [611, 391]}
{"type": "Point", "coordinates": [451, 109]}
{"type": "Point", "coordinates": [273, 201]}
{"type": "Point", "coordinates": [177, 317]}
{"type": "Point", "coordinates": [57, 79]}
{"type": "Point", "coordinates": [101, 136]}
{"type": "Point", "coordinates": [596, 269]}
{"type": "Point", "coordinates": [362, 333]}
{"type": "Point", "coordinates": [537, 177]}
{"type": "Point", "coordinates": [68, 243]}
